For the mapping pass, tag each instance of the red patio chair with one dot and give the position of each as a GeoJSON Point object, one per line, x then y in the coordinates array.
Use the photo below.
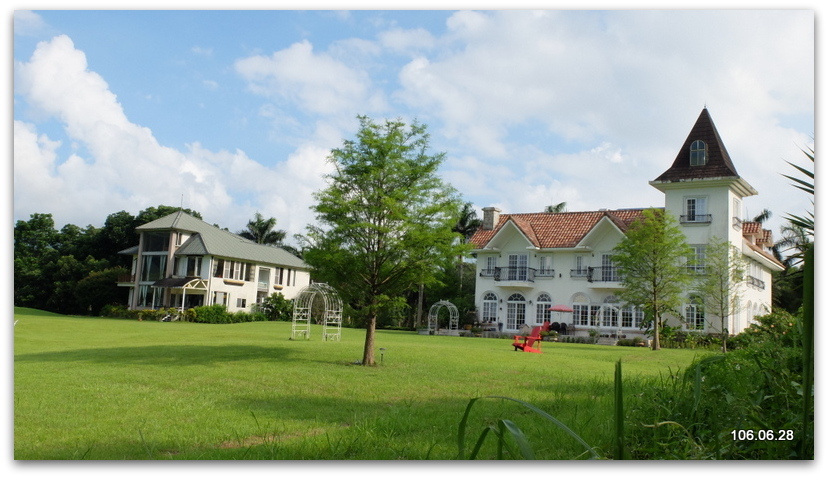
{"type": "Point", "coordinates": [527, 343]}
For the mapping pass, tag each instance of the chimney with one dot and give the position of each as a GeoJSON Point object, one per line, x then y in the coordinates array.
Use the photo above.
{"type": "Point", "coordinates": [491, 216]}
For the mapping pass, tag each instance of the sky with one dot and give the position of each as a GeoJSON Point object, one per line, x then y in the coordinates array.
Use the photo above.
{"type": "Point", "coordinates": [235, 112]}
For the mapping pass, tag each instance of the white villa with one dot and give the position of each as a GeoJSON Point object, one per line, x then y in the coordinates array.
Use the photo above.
{"type": "Point", "coordinates": [183, 261]}
{"type": "Point", "coordinates": [527, 263]}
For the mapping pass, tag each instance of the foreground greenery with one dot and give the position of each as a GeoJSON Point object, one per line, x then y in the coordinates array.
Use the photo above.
{"type": "Point", "coordinates": [94, 388]}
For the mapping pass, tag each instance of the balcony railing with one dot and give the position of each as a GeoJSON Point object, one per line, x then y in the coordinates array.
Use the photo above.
{"type": "Point", "coordinates": [545, 273]}
{"type": "Point", "coordinates": [603, 274]}
{"type": "Point", "coordinates": [696, 218]}
{"type": "Point", "coordinates": [124, 278]}
{"type": "Point", "coordinates": [579, 273]}
{"type": "Point", "coordinates": [756, 282]}
{"type": "Point", "coordinates": [487, 272]}
{"type": "Point", "coordinates": [520, 274]}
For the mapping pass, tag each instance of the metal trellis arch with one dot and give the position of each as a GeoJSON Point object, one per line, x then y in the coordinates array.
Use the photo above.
{"type": "Point", "coordinates": [434, 313]}
{"type": "Point", "coordinates": [331, 312]}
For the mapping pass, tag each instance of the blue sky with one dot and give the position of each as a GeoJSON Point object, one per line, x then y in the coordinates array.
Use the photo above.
{"type": "Point", "coordinates": [236, 111]}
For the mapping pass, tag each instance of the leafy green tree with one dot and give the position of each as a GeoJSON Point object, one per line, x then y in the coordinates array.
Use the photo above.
{"type": "Point", "coordinates": [260, 231]}
{"type": "Point", "coordinates": [98, 289]}
{"type": "Point", "coordinates": [386, 220]}
{"type": "Point", "coordinates": [650, 260]}
{"type": "Point", "coordinates": [117, 234]}
{"type": "Point", "coordinates": [157, 212]}
{"type": "Point", "coordinates": [34, 248]}
{"type": "Point", "coordinates": [720, 282]}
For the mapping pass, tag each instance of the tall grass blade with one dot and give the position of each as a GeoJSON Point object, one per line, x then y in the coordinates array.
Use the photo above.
{"type": "Point", "coordinates": [461, 431]}
{"type": "Point", "coordinates": [479, 443]}
{"type": "Point", "coordinates": [463, 423]}
{"type": "Point", "coordinates": [619, 413]}
{"type": "Point", "coordinates": [520, 438]}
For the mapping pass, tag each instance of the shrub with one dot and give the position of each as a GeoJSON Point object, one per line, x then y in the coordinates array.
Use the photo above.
{"type": "Point", "coordinates": [211, 314]}
{"type": "Point", "coordinates": [275, 307]}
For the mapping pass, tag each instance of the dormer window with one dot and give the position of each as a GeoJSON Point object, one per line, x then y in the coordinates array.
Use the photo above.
{"type": "Point", "coordinates": [698, 153]}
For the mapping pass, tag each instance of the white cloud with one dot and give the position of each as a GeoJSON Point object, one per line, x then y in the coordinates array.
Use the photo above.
{"type": "Point", "coordinates": [409, 42]}
{"type": "Point", "coordinates": [124, 166]}
{"type": "Point", "coordinates": [27, 23]}
{"type": "Point", "coordinates": [616, 93]}
{"type": "Point", "coordinates": [315, 82]}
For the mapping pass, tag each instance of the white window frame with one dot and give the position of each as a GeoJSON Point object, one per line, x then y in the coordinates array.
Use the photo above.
{"type": "Point", "coordinates": [694, 313]}
{"type": "Point", "coordinates": [489, 310]}
{"type": "Point", "coordinates": [515, 311]}
{"type": "Point", "coordinates": [542, 305]}
{"type": "Point", "coordinates": [698, 204]}
{"type": "Point", "coordinates": [698, 153]}
{"type": "Point", "coordinates": [518, 267]}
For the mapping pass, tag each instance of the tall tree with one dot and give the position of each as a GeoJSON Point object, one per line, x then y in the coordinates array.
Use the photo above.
{"type": "Point", "coordinates": [157, 212]}
{"type": "Point", "coordinates": [385, 219]}
{"type": "Point", "coordinates": [650, 261]}
{"type": "Point", "coordinates": [468, 222]}
{"type": "Point", "coordinates": [719, 282]}
{"type": "Point", "coordinates": [261, 231]}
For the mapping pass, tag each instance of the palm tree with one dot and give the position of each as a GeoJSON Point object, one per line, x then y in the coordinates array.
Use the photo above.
{"type": "Point", "coordinates": [260, 231]}
{"type": "Point", "coordinates": [763, 216]}
{"type": "Point", "coordinates": [560, 207]}
{"type": "Point", "coordinates": [468, 223]}
{"type": "Point", "coordinates": [806, 185]}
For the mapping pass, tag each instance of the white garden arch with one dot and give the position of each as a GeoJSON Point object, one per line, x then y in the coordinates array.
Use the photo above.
{"type": "Point", "coordinates": [331, 310]}
{"type": "Point", "coordinates": [434, 312]}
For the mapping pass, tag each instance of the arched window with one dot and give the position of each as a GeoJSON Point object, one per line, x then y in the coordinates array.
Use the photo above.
{"type": "Point", "coordinates": [515, 311]}
{"type": "Point", "coordinates": [542, 312]}
{"type": "Point", "coordinates": [489, 308]}
{"type": "Point", "coordinates": [694, 313]}
{"type": "Point", "coordinates": [698, 153]}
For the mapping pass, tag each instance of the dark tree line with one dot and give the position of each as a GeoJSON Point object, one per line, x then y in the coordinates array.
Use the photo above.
{"type": "Point", "coordinates": [74, 270]}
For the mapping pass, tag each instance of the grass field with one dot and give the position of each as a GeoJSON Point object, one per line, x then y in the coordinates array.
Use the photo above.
{"type": "Point", "coordinates": [111, 389]}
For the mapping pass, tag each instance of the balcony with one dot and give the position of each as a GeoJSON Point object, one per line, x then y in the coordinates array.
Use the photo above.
{"type": "Point", "coordinates": [603, 274]}
{"type": "Point", "coordinates": [755, 282]}
{"type": "Point", "coordinates": [511, 276]}
{"type": "Point", "coordinates": [545, 274]}
{"type": "Point", "coordinates": [579, 273]}
{"type": "Point", "coordinates": [696, 218]}
{"type": "Point", "coordinates": [126, 279]}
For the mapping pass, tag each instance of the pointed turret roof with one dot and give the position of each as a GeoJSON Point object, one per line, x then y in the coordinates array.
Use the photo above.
{"type": "Point", "coordinates": [718, 163]}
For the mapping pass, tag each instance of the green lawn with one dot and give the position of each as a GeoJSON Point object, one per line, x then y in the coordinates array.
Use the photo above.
{"type": "Point", "coordinates": [107, 389]}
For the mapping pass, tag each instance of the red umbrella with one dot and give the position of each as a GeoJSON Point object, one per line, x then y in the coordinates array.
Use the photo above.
{"type": "Point", "coordinates": [560, 308]}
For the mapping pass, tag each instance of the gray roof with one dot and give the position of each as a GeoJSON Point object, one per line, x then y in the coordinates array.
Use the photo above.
{"type": "Point", "coordinates": [210, 240]}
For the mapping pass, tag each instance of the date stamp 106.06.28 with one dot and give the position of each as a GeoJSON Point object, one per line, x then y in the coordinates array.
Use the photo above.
{"type": "Point", "coordinates": [762, 435]}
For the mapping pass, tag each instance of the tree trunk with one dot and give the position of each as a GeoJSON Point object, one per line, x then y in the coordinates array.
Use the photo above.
{"type": "Point", "coordinates": [656, 332]}
{"type": "Point", "coordinates": [725, 333]}
{"type": "Point", "coordinates": [368, 352]}
{"type": "Point", "coordinates": [419, 319]}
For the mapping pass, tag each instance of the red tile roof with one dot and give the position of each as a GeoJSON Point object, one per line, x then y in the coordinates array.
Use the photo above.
{"type": "Point", "coordinates": [556, 230]}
